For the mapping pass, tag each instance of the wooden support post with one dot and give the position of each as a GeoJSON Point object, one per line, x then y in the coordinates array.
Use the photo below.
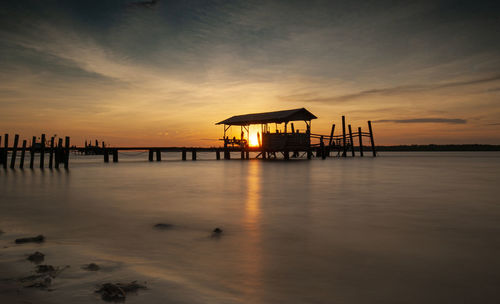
{"type": "Point", "coordinates": [247, 154]}
{"type": "Point", "coordinates": [193, 154]}
{"type": "Point", "coordinates": [371, 138]}
{"type": "Point", "coordinates": [32, 156]}
{"type": "Point", "coordinates": [51, 152]}
{"type": "Point", "coordinates": [264, 154]}
{"type": "Point", "coordinates": [151, 153]}
{"type": "Point", "coordinates": [287, 155]}
{"type": "Point", "coordinates": [293, 127]}
{"type": "Point", "coordinates": [42, 152]}
{"type": "Point", "coordinates": [1, 151]}
{"type": "Point", "coordinates": [242, 153]}
{"type": "Point", "coordinates": [352, 141]}
{"type": "Point", "coordinates": [14, 152]}
{"type": "Point", "coordinates": [217, 154]}
{"type": "Point", "coordinates": [5, 151]}
{"type": "Point", "coordinates": [115, 155]}
{"type": "Point", "coordinates": [59, 153]}
{"type": "Point", "coordinates": [344, 144]}
{"type": "Point", "coordinates": [360, 142]}
{"type": "Point", "coordinates": [331, 135]}
{"type": "Point", "coordinates": [158, 155]}
{"type": "Point", "coordinates": [309, 153]}
{"type": "Point", "coordinates": [183, 154]}
{"type": "Point", "coordinates": [106, 155]}
{"type": "Point", "coordinates": [66, 153]}
{"type": "Point", "coordinates": [23, 153]}
{"type": "Point", "coordinates": [322, 147]}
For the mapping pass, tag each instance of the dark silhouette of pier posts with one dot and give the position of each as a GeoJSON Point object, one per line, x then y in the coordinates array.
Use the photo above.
{"type": "Point", "coordinates": [59, 153]}
{"type": "Point", "coordinates": [242, 153]}
{"type": "Point", "coordinates": [193, 154]}
{"type": "Point", "coordinates": [105, 153]}
{"type": "Point", "coordinates": [371, 138]}
{"type": "Point", "coordinates": [5, 151]}
{"type": "Point", "coordinates": [344, 145]}
{"type": "Point", "coordinates": [287, 155]}
{"type": "Point", "coordinates": [51, 152]}
{"type": "Point", "coordinates": [66, 153]}
{"type": "Point", "coordinates": [32, 155]}
{"type": "Point", "coordinates": [42, 152]}
{"type": "Point", "coordinates": [23, 153]}
{"type": "Point", "coordinates": [115, 155]}
{"type": "Point", "coordinates": [352, 141]}
{"type": "Point", "coordinates": [151, 154]}
{"type": "Point", "coordinates": [247, 153]}
{"type": "Point", "coordinates": [184, 152]}
{"type": "Point", "coordinates": [360, 142]}
{"type": "Point", "coordinates": [330, 141]}
{"type": "Point", "coordinates": [322, 147]}
{"type": "Point", "coordinates": [158, 155]}
{"type": "Point", "coordinates": [217, 154]}
{"type": "Point", "coordinates": [14, 152]}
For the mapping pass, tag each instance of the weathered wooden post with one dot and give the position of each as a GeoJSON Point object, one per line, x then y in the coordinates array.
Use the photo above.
{"type": "Point", "coordinates": [115, 155]}
{"type": "Point", "coordinates": [344, 148]}
{"type": "Point", "coordinates": [330, 141]}
{"type": "Point", "coordinates": [14, 152]}
{"type": "Point", "coordinates": [59, 153]}
{"type": "Point", "coordinates": [287, 155]}
{"type": "Point", "coordinates": [193, 154]}
{"type": "Point", "coordinates": [66, 153]}
{"type": "Point", "coordinates": [360, 142]}
{"type": "Point", "coordinates": [158, 155]}
{"type": "Point", "coordinates": [151, 153]}
{"type": "Point", "coordinates": [226, 152]}
{"type": "Point", "coordinates": [371, 138]}
{"type": "Point", "coordinates": [105, 152]}
{"type": "Point", "coordinates": [23, 153]}
{"type": "Point", "coordinates": [184, 152]}
{"type": "Point", "coordinates": [1, 151]}
{"type": "Point", "coordinates": [217, 154]}
{"type": "Point", "coordinates": [51, 152]}
{"type": "Point", "coordinates": [293, 127]}
{"type": "Point", "coordinates": [322, 147]}
{"type": "Point", "coordinates": [42, 152]}
{"type": "Point", "coordinates": [5, 151]}
{"type": "Point", "coordinates": [352, 141]}
{"type": "Point", "coordinates": [32, 156]}
{"type": "Point", "coordinates": [309, 153]}
{"type": "Point", "coordinates": [247, 153]}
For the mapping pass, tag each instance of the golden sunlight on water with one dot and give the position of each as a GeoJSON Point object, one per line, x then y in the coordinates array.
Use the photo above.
{"type": "Point", "coordinates": [252, 246]}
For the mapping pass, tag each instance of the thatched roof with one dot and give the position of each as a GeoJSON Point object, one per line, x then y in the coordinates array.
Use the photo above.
{"type": "Point", "coordinates": [269, 117]}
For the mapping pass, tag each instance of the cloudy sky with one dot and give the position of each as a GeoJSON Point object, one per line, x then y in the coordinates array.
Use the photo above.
{"type": "Point", "coordinates": [163, 72]}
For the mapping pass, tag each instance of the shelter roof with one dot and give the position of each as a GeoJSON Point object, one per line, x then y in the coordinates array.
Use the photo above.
{"type": "Point", "coordinates": [268, 117]}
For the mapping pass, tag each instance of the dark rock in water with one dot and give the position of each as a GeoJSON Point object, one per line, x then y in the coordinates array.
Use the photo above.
{"type": "Point", "coordinates": [217, 231]}
{"type": "Point", "coordinates": [111, 292]}
{"type": "Point", "coordinates": [37, 239]}
{"type": "Point", "coordinates": [42, 282]}
{"type": "Point", "coordinates": [117, 292]}
{"type": "Point", "coordinates": [36, 257]}
{"type": "Point", "coordinates": [91, 267]}
{"type": "Point", "coordinates": [163, 226]}
{"type": "Point", "coordinates": [45, 268]}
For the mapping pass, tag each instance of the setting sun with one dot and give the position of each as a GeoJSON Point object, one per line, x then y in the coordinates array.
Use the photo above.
{"type": "Point", "coordinates": [253, 140]}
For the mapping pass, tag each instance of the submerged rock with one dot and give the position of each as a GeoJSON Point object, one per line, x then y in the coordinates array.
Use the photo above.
{"type": "Point", "coordinates": [36, 239]}
{"type": "Point", "coordinates": [163, 226]}
{"type": "Point", "coordinates": [45, 269]}
{"type": "Point", "coordinates": [117, 292]}
{"type": "Point", "coordinates": [91, 267]}
{"type": "Point", "coordinates": [217, 232]}
{"type": "Point", "coordinates": [36, 257]}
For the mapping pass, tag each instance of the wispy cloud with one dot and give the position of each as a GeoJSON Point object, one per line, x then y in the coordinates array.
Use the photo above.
{"type": "Point", "coordinates": [426, 120]}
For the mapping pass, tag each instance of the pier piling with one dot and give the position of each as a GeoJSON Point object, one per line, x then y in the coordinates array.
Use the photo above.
{"type": "Point", "coordinates": [352, 141]}
{"type": "Point", "coordinates": [51, 152]}
{"type": "Point", "coordinates": [193, 154]}
{"type": "Point", "coordinates": [344, 145]}
{"type": "Point", "coordinates": [32, 155]}
{"type": "Point", "coordinates": [151, 153]}
{"type": "Point", "coordinates": [360, 136]}
{"type": "Point", "coordinates": [66, 153]}
{"type": "Point", "coordinates": [158, 155]}
{"type": "Point", "coordinates": [371, 138]}
{"type": "Point", "coordinates": [5, 151]}
{"type": "Point", "coordinates": [14, 152]}
{"type": "Point", "coordinates": [115, 155]}
{"type": "Point", "coordinates": [42, 152]}
{"type": "Point", "coordinates": [217, 154]}
{"type": "Point", "coordinates": [184, 152]}
{"type": "Point", "coordinates": [23, 153]}
{"type": "Point", "coordinates": [106, 155]}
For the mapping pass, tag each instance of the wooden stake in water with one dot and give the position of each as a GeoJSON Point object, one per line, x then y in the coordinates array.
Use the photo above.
{"type": "Point", "coordinates": [5, 151]}
{"type": "Point", "coordinates": [51, 152]}
{"type": "Point", "coordinates": [23, 152]}
{"type": "Point", "coordinates": [32, 155]}
{"type": "Point", "coordinates": [115, 155]}
{"type": "Point", "coordinates": [66, 153]}
{"type": "Point", "coordinates": [158, 155]}
{"type": "Point", "coordinates": [14, 152]}
{"type": "Point", "coordinates": [371, 138]}
{"type": "Point", "coordinates": [151, 153]}
{"type": "Point", "coordinates": [352, 141]}
{"type": "Point", "coordinates": [360, 142]}
{"type": "Point", "coordinates": [59, 153]}
{"type": "Point", "coordinates": [193, 155]}
{"type": "Point", "coordinates": [344, 145]}
{"type": "Point", "coordinates": [42, 151]}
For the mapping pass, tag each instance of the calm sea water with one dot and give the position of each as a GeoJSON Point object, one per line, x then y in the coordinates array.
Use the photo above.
{"type": "Point", "coordinates": [400, 228]}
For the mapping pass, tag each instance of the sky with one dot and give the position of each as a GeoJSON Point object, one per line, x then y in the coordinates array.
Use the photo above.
{"type": "Point", "coordinates": [162, 73]}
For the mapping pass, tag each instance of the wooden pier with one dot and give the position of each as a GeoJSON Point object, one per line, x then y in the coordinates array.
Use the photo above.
{"type": "Point", "coordinates": [271, 145]}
